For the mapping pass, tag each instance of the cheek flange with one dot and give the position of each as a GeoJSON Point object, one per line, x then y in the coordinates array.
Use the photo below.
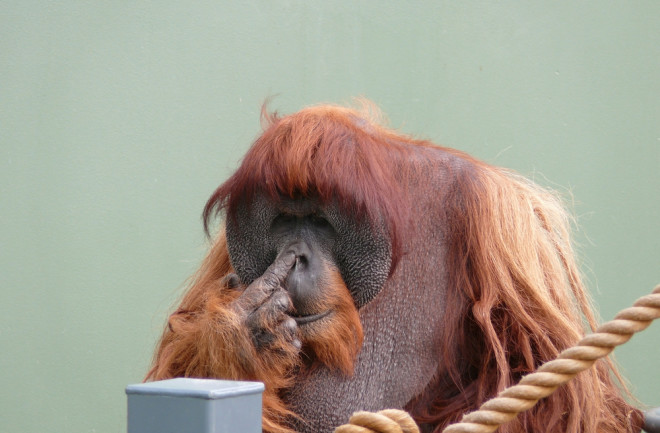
{"type": "Point", "coordinates": [364, 257]}
{"type": "Point", "coordinates": [249, 242]}
{"type": "Point", "coordinates": [362, 253]}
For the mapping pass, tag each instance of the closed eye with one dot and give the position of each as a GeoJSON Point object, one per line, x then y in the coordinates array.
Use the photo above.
{"type": "Point", "coordinates": [319, 221]}
{"type": "Point", "coordinates": [284, 222]}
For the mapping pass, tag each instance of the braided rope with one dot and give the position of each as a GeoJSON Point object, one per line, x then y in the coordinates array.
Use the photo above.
{"type": "Point", "coordinates": [385, 421]}
{"type": "Point", "coordinates": [531, 388]}
{"type": "Point", "coordinates": [552, 374]}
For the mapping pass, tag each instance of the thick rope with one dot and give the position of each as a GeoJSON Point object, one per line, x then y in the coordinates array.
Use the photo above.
{"type": "Point", "coordinates": [533, 387]}
{"type": "Point", "coordinates": [552, 374]}
{"type": "Point", "coordinates": [385, 421]}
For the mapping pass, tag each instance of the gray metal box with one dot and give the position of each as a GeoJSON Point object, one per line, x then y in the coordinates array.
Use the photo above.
{"type": "Point", "coordinates": [185, 405]}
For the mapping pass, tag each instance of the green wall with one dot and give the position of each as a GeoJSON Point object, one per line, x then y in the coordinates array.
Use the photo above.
{"type": "Point", "coordinates": [118, 119]}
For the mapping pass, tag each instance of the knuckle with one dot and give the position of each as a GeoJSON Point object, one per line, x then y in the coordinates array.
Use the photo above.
{"type": "Point", "coordinates": [281, 301]}
{"type": "Point", "coordinates": [270, 280]}
{"type": "Point", "coordinates": [290, 324]}
{"type": "Point", "coordinates": [247, 301]}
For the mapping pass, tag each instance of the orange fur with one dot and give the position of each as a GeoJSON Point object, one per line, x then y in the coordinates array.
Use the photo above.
{"type": "Point", "coordinates": [205, 339]}
{"type": "Point", "coordinates": [518, 300]}
{"type": "Point", "coordinates": [514, 298]}
{"type": "Point", "coordinates": [336, 341]}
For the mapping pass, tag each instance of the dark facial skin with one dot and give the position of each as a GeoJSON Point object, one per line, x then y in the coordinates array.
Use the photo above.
{"type": "Point", "coordinates": [287, 305]}
{"type": "Point", "coordinates": [316, 234]}
{"type": "Point", "coordinates": [310, 237]}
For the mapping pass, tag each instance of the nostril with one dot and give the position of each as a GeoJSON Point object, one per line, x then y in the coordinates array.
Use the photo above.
{"type": "Point", "coordinates": [301, 261]}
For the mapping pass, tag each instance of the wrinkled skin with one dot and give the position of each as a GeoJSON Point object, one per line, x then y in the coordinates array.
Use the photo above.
{"type": "Point", "coordinates": [264, 306]}
{"type": "Point", "coordinates": [360, 269]}
{"type": "Point", "coordinates": [326, 398]}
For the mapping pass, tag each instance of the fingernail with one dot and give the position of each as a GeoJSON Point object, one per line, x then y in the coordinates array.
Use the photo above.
{"type": "Point", "coordinates": [289, 259]}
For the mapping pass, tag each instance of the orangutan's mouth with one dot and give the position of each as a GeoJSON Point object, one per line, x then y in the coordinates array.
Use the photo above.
{"type": "Point", "coordinates": [303, 320]}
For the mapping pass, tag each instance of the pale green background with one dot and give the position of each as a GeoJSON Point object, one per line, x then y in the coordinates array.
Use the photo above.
{"type": "Point", "coordinates": [118, 119]}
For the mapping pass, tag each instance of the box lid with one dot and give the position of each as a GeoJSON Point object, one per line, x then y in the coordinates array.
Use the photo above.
{"type": "Point", "coordinates": [210, 389]}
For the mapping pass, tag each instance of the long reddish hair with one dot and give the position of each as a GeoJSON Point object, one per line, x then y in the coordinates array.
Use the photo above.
{"type": "Point", "coordinates": [331, 154]}
{"type": "Point", "coordinates": [204, 339]}
{"type": "Point", "coordinates": [515, 300]}
{"type": "Point", "coordinates": [515, 297]}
